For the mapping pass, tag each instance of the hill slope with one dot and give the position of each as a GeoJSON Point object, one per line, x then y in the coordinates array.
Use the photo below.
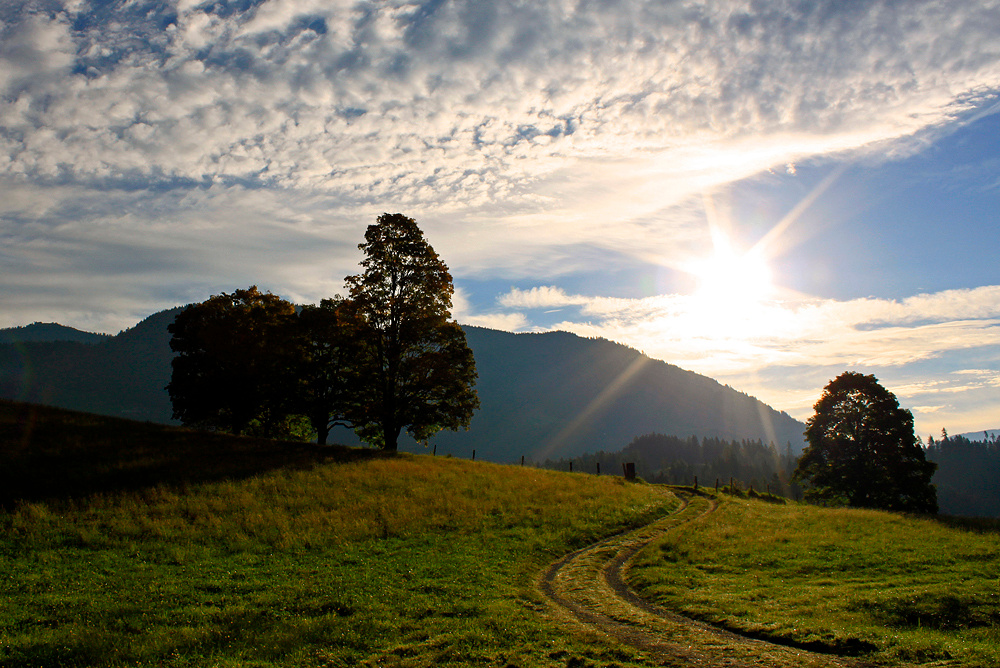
{"type": "Point", "coordinates": [48, 331]}
{"type": "Point", "coordinates": [234, 551]}
{"type": "Point", "coordinates": [543, 395]}
{"type": "Point", "coordinates": [123, 376]}
{"type": "Point", "coordinates": [310, 557]}
{"type": "Point", "coordinates": [559, 395]}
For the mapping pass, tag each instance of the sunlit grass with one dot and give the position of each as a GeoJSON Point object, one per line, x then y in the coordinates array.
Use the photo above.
{"type": "Point", "coordinates": [898, 588]}
{"type": "Point", "coordinates": [405, 560]}
{"type": "Point", "coordinates": [235, 552]}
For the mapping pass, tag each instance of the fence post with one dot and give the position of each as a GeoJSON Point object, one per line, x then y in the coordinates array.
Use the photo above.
{"type": "Point", "coordinates": [598, 468]}
{"type": "Point", "coordinates": [732, 489]}
{"type": "Point", "coordinates": [435, 450]}
{"type": "Point", "coordinates": [629, 469]}
{"type": "Point", "coordinates": [716, 485]}
{"type": "Point", "coordinates": [571, 467]}
{"type": "Point", "coordinates": [473, 455]}
{"type": "Point", "coordinates": [522, 460]}
{"type": "Point", "coordinates": [696, 483]}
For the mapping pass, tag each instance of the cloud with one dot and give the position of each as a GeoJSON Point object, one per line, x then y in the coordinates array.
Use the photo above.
{"type": "Point", "coordinates": [528, 132]}
{"type": "Point", "coordinates": [416, 102]}
{"type": "Point", "coordinates": [785, 351]}
{"type": "Point", "coordinates": [103, 260]}
{"type": "Point", "coordinates": [155, 153]}
{"type": "Point", "coordinates": [509, 322]}
{"type": "Point", "coordinates": [463, 312]}
{"type": "Point", "coordinates": [540, 297]}
{"type": "Point", "coordinates": [34, 49]}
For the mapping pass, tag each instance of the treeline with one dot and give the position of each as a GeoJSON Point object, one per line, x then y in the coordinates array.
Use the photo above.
{"type": "Point", "coordinates": [968, 474]}
{"type": "Point", "coordinates": [677, 461]}
{"type": "Point", "coordinates": [967, 478]}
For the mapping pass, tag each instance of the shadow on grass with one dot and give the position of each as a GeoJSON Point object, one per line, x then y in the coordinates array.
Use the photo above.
{"type": "Point", "coordinates": [974, 524]}
{"type": "Point", "coordinates": [54, 454]}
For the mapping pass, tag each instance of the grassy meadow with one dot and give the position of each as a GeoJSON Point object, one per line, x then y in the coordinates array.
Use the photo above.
{"type": "Point", "coordinates": [127, 544]}
{"type": "Point", "coordinates": [131, 544]}
{"type": "Point", "coordinates": [894, 588]}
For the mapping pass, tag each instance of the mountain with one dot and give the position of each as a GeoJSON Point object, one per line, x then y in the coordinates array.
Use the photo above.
{"type": "Point", "coordinates": [556, 394]}
{"type": "Point", "coordinates": [48, 331]}
{"type": "Point", "coordinates": [988, 434]}
{"type": "Point", "coordinates": [547, 395]}
{"type": "Point", "coordinates": [123, 375]}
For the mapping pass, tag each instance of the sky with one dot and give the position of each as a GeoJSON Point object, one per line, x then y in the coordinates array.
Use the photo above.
{"type": "Point", "coordinates": [768, 193]}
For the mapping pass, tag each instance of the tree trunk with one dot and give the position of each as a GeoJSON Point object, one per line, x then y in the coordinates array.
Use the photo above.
{"type": "Point", "coordinates": [390, 437]}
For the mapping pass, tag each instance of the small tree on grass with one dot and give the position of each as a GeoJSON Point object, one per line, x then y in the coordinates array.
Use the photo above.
{"type": "Point", "coordinates": [418, 372]}
{"type": "Point", "coordinates": [862, 450]}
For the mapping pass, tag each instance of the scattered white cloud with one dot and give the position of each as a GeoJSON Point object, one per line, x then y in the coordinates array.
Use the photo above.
{"type": "Point", "coordinates": [419, 101]}
{"type": "Point", "coordinates": [542, 297]}
{"type": "Point", "coordinates": [509, 322]}
{"type": "Point", "coordinates": [528, 129]}
{"type": "Point", "coordinates": [464, 313]}
{"type": "Point", "coordinates": [154, 153]}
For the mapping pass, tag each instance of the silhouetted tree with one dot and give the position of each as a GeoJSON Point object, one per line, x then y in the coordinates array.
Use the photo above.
{"type": "Point", "coordinates": [862, 450]}
{"type": "Point", "coordinates": [328, 387]}
{"type": "Point", "coordinates": [419, 373]}
{"type": "Point", "coordinates": [231, 368]}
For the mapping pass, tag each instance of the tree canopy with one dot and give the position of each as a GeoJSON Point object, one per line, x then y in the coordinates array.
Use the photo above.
{"type": "Point", "coordinates": [420, 373]}
{"type": "Point", "coordinates": [230, 371]}
{"type": "Point", "coordinates": [386, 359]}
{"type": "Point", "coordinates": [328, 342]}
{"type": "Point", "coordinates": [862, 450]}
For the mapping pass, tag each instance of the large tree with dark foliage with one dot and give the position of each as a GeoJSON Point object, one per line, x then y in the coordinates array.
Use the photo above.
{"type": "Point", "coordinates": [231, 371]}
{"type": "Point", "coordinates": [862, 451]}
{"type": "Point", "coordinates": [419, 373]}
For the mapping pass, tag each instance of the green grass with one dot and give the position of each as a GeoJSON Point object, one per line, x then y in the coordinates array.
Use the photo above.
{"type": "Point", "coordinates": [128, 544]}
{"type": "Point", "coordinates": [288, 556]}
{"type": "Point", "coordinates": [894, 588]}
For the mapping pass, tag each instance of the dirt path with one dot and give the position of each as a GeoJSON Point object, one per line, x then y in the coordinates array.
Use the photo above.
{"type": "Point", "coordinates": [588, 587]}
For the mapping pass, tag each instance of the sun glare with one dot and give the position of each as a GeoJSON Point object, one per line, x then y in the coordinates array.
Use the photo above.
{"type": "Point", "coordinates": [731, 280]}
{"type": "Point", "coordinates": [732, 299]}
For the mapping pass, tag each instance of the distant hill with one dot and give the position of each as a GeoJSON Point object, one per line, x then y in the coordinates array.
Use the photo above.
{"type": "Point", "coordinates": [978, 435]}
{"type": "Point", "coordinates": [48, 331]}
{"type": "Point", "coordinates": [556, 395]}
{"type": "Point", "coordinates": [122, 376]}
{"type": "Point", "coordinates": [548, 395]}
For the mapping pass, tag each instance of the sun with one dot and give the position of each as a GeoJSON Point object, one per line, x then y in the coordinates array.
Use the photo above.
{"type": "Point", "coordinates": [732, 281]}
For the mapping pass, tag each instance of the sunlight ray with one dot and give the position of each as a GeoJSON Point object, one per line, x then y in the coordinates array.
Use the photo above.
{"type": "Point", "coordinates": [597, 403]}
{"type": "Point", "coordinates": [775, 234]}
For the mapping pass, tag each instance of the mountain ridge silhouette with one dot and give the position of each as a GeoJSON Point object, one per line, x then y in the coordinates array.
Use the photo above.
{"type": "Point", "coordinates": [543, 395]}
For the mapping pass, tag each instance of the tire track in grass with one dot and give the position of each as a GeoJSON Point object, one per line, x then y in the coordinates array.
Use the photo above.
{"type": "Point", "coordinates": [588, 586]}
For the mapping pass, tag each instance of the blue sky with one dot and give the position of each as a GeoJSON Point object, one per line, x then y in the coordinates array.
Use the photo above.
{"type": "Point", "coordinates": [767, 193]}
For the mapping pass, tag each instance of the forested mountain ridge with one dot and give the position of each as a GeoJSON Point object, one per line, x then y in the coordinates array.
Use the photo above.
{"type": "Point", "coordinates": [560, 395]}
{"type": "Point", "coordinates": [543, 396]}
{"type": "Point", "coordinates": [968, 474]}
{"type": "Point", "coordinates": [48, 331]}
{"type": "Point", "coordinates": [122, 376]}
